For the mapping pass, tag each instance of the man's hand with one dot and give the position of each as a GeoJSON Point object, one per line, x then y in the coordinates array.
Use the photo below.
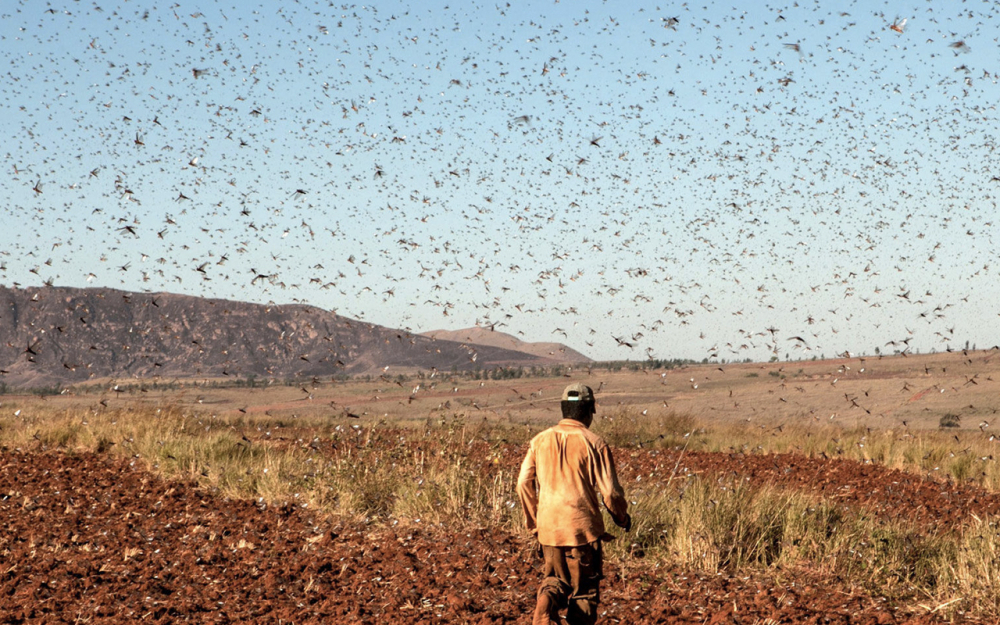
{"type": "Point", "coordinates": [626, 523]}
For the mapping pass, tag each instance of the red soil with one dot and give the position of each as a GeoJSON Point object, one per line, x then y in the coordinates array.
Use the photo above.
{"type": "Point", "coordinates": [92, 538]}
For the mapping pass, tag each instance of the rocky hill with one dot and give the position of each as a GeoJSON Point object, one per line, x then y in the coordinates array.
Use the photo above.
{"type": "Point", "coordinates": [484, 336]}
{"type": "Point", "coordinates": [62, 335]}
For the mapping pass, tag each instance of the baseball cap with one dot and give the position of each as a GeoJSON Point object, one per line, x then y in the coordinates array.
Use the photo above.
{"type": "Point", "coordinates": [578, 392]}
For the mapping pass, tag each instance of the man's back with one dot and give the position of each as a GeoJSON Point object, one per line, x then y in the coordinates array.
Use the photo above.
{"type": "Point", "coordinates": [572, 467]}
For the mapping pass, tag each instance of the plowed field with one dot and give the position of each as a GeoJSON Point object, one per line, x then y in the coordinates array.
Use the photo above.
{"type": "Point", "coordinates": [95, 538]}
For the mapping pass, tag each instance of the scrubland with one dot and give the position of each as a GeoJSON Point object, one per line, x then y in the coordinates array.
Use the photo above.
{"type": "Point", "coordinates": [390, 454]}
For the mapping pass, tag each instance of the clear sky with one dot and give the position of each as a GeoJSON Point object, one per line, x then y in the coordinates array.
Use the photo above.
{"type": "Point", "coordinates": [657, 180]}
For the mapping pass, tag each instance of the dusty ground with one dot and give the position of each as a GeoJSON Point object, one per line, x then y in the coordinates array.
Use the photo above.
{"type": "Point", "coordinates": [886, 393]}
{"type": "Point", "coordinates": [92, 538]}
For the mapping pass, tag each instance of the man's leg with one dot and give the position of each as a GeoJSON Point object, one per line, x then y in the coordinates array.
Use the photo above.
{"type": "Point", "coordinates": [555, 586]}
{"type": "Point", "coordinates": [586, 566]}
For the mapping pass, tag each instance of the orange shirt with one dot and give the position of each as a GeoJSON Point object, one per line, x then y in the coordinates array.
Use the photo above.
{"type": "Point", "coordinates": [565, 468]}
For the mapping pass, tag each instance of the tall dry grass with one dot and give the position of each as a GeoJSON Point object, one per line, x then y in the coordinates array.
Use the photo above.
{"type": "Point", "coordinates": [715, 527]}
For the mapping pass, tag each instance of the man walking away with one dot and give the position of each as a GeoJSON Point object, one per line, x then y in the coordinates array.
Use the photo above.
{"type": "Point", "coordinates": [565, 469]}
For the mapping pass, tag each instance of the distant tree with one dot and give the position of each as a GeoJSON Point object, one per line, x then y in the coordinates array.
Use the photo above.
{"type": "Point", "coordinates": [949, 420]}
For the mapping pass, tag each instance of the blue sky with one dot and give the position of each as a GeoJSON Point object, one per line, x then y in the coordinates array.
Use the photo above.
{"type": "Point", "coordinates": [793, 179]}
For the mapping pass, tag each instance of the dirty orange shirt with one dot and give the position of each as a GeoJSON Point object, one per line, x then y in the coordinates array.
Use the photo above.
{"type": "Point", "coordinates": [565, 468]}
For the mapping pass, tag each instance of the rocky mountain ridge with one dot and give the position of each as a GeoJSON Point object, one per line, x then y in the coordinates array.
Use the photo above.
{"type": "Point", "coordinates": [52, 335]}
{"type": "Point", "coordinates": [492, 337]}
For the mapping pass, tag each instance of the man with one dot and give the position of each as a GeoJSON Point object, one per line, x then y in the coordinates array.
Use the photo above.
{"type": "Point", "coordinates": [565, 468]}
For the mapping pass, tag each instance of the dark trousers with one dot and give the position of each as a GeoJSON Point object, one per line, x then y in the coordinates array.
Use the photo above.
{"type": "Point", "coordinates": [571, 581]}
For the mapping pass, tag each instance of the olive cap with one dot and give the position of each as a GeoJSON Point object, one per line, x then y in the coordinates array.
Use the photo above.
{"type": "Point", "coordinates": [578, 392]}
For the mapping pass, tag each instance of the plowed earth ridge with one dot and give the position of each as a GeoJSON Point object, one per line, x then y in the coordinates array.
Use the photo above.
{"type": "Point", "coordinates": [888, 493]}
{"type": "Point", "coordinates": [95, 538]}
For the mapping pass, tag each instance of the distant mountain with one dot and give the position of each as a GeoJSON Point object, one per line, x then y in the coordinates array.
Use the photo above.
{"type": "Point", "coordinates": [61, 335]}
{"type": "Point", "coordinates": [484, 336]}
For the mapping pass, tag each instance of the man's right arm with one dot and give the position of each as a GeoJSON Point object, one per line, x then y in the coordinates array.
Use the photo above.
{"type": "Point", "coordinates": [611, 490]}
{"type": "Point", "coordinates": [527, 491]}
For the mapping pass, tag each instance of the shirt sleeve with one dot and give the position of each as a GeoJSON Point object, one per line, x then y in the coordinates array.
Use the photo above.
{"type": "Point", "coordinates": [527, 491]}
{"type": "Point", "coordinates": [607, 483]}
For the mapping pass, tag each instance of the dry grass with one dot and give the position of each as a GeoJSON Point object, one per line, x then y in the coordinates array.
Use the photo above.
{"type": "Point", "coordinates": [333, 466]}
{"type": "Point", "coordinates": [967, 456]}
{"type": "Point", "coordinates": [970, 456]}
